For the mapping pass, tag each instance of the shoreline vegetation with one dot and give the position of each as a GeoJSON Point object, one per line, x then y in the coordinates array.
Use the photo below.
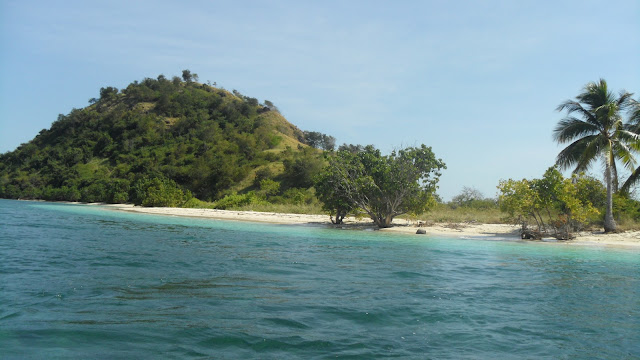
{"type": "Point", "coordinates": [470, 230]}
{"type": "Point", "coordinates": [188, 146]}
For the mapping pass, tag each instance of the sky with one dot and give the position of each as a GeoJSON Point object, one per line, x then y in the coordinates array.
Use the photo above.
{"type": "Point", "coordinates": [478, 81]}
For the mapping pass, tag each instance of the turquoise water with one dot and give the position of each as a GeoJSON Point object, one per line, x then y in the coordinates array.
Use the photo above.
{"type": "Point", "coordinates": [88, 282]}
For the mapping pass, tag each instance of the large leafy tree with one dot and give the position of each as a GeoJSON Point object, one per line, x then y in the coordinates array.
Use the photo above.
{"type": "Point", "coordinates": [382, 186]}
{"type": "Point", "coordinates": [595, 130]}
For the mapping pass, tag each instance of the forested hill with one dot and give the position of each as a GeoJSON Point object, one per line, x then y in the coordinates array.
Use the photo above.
{"type": "Point", "coordinates": [159, 139]}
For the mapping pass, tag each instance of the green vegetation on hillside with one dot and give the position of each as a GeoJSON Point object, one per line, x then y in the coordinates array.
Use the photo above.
{"type": "Point", "coordinates": [161, 142]}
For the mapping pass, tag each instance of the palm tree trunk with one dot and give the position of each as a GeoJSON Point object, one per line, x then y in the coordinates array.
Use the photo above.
{"type": "Point", "coordinates": [609, 221]}
{"type": "Point", "coordinates": [614, 176]}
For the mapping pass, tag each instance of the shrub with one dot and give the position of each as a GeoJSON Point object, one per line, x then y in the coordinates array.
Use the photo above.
{"type": "Point", "coordinates": [159, 192]}
{"type": "Point", "coordinates": [96, 192]}
{"type": "Point", "coordinates": [269, 188]}
{"type": "Point", "coordinates": [625, 209]}
{"type": "Point", "coordinates": [119, 191]}
{"type": "Point", "coordinates": [236, 200]}
{"type": "Point", "coordinates": [262, 174]}
{"type": "Point", "coordinates": [196, 203]}
{"type": "Point", "coordinates": [298, 196]}
{"type": "Point", "coordinates": [552, 202]}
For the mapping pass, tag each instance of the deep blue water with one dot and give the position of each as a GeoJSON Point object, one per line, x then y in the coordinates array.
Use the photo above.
{"type": "Point", "coordinates": [88, 282]}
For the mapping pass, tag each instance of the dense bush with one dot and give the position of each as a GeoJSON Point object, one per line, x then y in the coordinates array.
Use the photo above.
{"type": "Point", "coordinates": [552, 202]}
{"type": "Point", "coordinates": [625, 209]}
{"type": "Point", "coordinates": [159, 192]}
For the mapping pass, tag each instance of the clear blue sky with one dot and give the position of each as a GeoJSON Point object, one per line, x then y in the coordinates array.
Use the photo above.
{"type": "Point", "coordinates": [478, 81]}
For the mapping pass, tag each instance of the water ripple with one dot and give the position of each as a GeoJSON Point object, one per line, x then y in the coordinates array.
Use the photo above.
{"type": "Point", "coordinates": [87, 282]}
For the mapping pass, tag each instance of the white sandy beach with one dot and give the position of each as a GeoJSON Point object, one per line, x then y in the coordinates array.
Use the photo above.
{"type": "Point", "coordinates": [630, 239]}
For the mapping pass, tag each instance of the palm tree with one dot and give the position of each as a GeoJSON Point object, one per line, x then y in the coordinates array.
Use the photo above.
{"type": "Point", "coordinates": [597, 133]}
{"type": "Point", "coordinates": [633, 125]}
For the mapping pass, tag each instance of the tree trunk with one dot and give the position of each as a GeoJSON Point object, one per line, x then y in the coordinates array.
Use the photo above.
{"type": "Point", "coordinates": [383, 222]}
{"type": "Point", "coordinates": [609, 221]}
{"type": "Point", "coordinates": [340, 215]}
{"type": "Point", "coordinates": [614, 176]}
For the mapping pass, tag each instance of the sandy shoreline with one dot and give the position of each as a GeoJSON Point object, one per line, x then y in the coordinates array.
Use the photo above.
{"type": "Point", "coordinates": [630, 239]}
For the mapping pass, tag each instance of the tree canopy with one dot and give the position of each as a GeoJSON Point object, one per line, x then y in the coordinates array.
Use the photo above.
{"type": "Point", "coordinates": [383, 186]}
{"type": "Point", "coordinates": [319, 140]}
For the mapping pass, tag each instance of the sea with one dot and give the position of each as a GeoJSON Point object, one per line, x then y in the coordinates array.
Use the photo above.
{"type": "Point", "coordinates": [90, 282]}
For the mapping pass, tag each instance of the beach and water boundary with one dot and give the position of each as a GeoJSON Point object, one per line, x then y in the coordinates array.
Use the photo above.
{"type": "Point", "coordinates": [628, 239]}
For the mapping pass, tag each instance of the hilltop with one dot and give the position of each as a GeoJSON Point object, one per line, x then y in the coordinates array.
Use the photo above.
{"type": "Point", "coordinates": [163, 142]}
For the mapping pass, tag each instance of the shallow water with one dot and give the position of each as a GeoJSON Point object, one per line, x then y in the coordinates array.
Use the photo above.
{"type": "Point", "coordinates": [89, 282]}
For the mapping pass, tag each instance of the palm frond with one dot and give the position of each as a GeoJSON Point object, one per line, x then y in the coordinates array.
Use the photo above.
{"type": "Point", "coordinates": [625, 100]}
{"type": "Point", "coordinates": [596, 94]}
{"type": "Point", "coordinates": [616, 121]}
{"type": "Point", "coordinates": [626, 135]}
{"type": "Point", "coordinates": [591, 152]}
{"type": "Point", "coordinates": [634, 113]}
{"type": "Point", "coordinates": [581, 152]}
{"type": "Point", "coordinates": [571, 128]}
{"type": "Point", "coordinates": [631, 180]}
{"type": "Point", "coordinates": [625, 154]}
{"type": "Point", "coordinates": [575, 107]}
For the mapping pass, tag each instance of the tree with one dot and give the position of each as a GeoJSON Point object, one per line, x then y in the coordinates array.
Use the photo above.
{"type": "Point", "coordinates": [467, 196]}
{"type": "Point", "coordinates": [271, 106]}
{"type": "Point", "coordinates": [313, 138]}
{"type": "Point", "coordinates": [382, 186]}
{"type": "Point", "coordinates": [108, 93]}
{"type": "Point", "coordinates": [300, 172]}
{"type": "Point", "coordinates": [329, 191]}
{"type": "Point", "coordinates": [597, 133]}
{"type": "Point", "coordinates": [351, 148]}
{"type": "Point", "coordinates": [187, 76]}
{"type": "Point", "coordinates": [518, 199]}
{"type": "Point", "coordinates": [319, 140]}
{"type": "Point", "coordinates": [328, 143]}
